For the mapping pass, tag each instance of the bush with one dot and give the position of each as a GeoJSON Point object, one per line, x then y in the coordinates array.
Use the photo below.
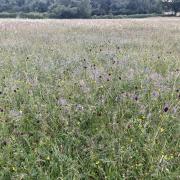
{"type": "Point", "coordinates": [33, 15]}
{"type": "Point", "coordinates": [69, 13]}
{"type": "Point", "coordinates": [125, 16]}
{"type": "Point", "coordinates": [8, 15]}
{"type": "Point", "coordinates": [60, 11]}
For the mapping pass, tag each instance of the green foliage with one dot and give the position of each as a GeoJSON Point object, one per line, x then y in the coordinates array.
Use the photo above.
{"type": "Point", "coordinates": [88, 8]}
{"type": "Point", "coordinates": [84, 9]}
{"type": "Point", "coordinates": [74, 9]}
{"type": "Point", "coordinates": [33, 15]}
{"type": "Point", "coordinates": [61, 11]}
{"type": "Point", "coordinates": [172, 5]}
{"type": "Point", "coordinates": [8, 15]}
{"type": "Point", "coordinates": [125, 16]}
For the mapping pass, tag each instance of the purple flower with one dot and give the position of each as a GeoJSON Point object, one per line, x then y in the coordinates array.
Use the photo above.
{"type": "Point", "coordinates": [166, 109]}
{"type": "Point", "coordinates": [62, 102]}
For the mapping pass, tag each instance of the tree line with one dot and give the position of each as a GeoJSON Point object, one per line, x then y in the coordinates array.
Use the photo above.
{"type": "Point", "coordinates": [88, 8]}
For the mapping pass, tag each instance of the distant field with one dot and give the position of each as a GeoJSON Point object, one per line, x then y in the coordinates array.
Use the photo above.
{"type": "Point", "coordinates": [90, 99]}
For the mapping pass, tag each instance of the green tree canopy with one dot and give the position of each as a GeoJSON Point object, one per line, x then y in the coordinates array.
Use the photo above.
{"type": "Point", "coordinates": [86, 8]}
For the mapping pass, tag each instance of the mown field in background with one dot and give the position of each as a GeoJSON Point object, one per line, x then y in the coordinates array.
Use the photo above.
{"type": "Point", "coordinates": [89, 99]}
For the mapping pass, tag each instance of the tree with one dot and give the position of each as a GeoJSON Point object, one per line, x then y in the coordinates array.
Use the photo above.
{"type": "Point", "coordinates": [84, 9]}
{"type": "Point", "coordinates": [61, 11]}
{"type": "Point", "coordinates": [172, 5]}
{"type": "Point", "coordinates": [176, 6]}
{"type": "Point", "coordinates": [119, 7]}
{"type": "Point", "coordinates": [144, 6]}
{"type": "Point", "coordinates": [87, 8]}
{"type": "Point", "coordinates": [40, 6]}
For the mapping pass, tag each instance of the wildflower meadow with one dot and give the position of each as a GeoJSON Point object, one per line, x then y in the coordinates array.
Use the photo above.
{"type": "Point", "coordinates": [90, 99]}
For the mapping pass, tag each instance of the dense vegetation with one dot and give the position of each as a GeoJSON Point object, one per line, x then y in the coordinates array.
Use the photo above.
{"type": "Point", "coordinates": [89, 99]}
{"type": "Point", "coordinates": [87, 8]}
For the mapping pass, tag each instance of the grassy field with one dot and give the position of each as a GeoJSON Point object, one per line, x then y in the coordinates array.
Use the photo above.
{"type": "Point", "coordinates": [90, 99]}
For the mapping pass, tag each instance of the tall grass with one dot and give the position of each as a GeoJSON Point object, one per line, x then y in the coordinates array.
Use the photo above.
{"type": "Point", "coordinates": [89, 99]}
